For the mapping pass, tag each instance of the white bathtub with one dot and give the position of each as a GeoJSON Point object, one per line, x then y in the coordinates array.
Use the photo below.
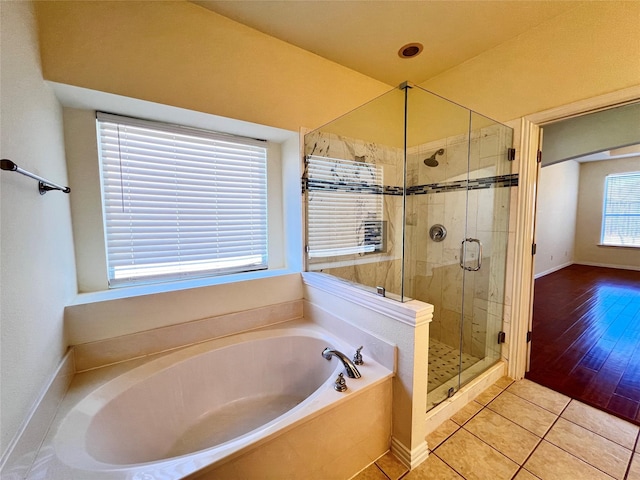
{"type": "Point", "coordinates": [199, 407]}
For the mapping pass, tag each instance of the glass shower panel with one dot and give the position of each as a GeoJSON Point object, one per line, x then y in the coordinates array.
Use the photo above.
{"type": "Point", "coordinates": [355, 185]}
{"type": "Point", "coordinates": [484, 247]}
{"type": "Point", "coordinates": [437, 166]}
{"type": "Point", "coordinates": [409, 194]}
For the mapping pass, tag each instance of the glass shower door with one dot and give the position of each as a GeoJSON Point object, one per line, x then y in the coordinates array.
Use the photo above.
{"type": "Point", "coordinates": [458, 177]}
{"type": "Point", "coordinates": [483, 250]}
{"type": "Point", "coordinates": [436, 205]}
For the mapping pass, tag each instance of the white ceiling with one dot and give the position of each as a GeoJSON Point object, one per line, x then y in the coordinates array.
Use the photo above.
{"type": "Point", "coordinates": [365, 35]}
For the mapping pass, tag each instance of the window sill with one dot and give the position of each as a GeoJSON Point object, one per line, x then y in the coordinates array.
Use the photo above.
{"type": "Point", "coordinates": [617, 246]}
{"type": "Point", "coordinates": [140, 290]}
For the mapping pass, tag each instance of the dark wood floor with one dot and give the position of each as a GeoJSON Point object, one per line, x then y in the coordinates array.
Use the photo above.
{"type": "Point", "coordinates": [586, 337]}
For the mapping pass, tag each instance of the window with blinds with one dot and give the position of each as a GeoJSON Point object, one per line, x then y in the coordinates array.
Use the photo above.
{"type": "Point", "coordinates": [180, 202]}
{"type": "Point", "coordinates": [344, 207]}
{"type": "Point", "coordinates": [621, 211]}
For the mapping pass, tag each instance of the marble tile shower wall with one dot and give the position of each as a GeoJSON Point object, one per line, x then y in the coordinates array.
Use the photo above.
{"type": "Point", "coordinates": [374, 269]}
{"type": "Point", "coordinates": [438, 195]}
{"type": "Point", "coordinates": [432, 271]}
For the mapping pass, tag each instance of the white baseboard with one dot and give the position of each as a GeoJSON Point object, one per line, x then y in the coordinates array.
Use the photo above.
{"type": "Point", "coordinates": [553, 269]}
{"type": "Point", "coordinates": [19, 456]}
{"type": "Point", "coordinates": [410, 458]}
{"type": "Point", "coordinates": [609, 265]}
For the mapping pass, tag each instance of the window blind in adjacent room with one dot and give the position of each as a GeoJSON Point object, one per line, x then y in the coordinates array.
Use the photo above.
{"type": "Point", "coordinates": [180, 202]}
{"type": "Point", "coordinates": [344, 208]}
{"type": "Point", "coordinates": [621, 212]}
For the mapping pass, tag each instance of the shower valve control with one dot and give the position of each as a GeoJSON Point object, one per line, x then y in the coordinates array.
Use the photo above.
{"type": "Point", "coordinates": [437, 232]}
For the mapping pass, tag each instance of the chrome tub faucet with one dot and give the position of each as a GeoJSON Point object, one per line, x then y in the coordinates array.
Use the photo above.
{"type": "Point", "coordinates": [351, 369]}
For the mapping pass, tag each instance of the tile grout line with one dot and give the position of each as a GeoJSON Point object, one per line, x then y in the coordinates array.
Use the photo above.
{"type": "Point", "coordinates": [633, 453]}
{"type": "Point", "coordinates": [571, 421]}
{"type": "Point", "coordinates": [522, 426]}
{"type": "Point", "coordinates": [452, 434]}
{"type": "Point", "coordinates": [566, 451]}
{"type": "Point", "coordinates": [541, 438]}
{"type": "Point", "coordinates": [521, 467]}
{"type": "Point", "coordinates": [383, 472]}
{"type": "Point", "coordinates": [461, 427]}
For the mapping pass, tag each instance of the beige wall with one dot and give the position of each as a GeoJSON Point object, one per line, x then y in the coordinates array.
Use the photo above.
{"type": "Point", "coordinates": [589, 218]}
{"type": "Point", "coordinates": [591, 50]}
{"type": "Point", "coordinates": [556, 216]}
{"type": "Point", "coordinates": [38, 273]}
{"type": "Point", "coordinates": [177, 53]}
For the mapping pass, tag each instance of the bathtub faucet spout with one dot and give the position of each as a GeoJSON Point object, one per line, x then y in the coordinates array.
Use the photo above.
{"type": "Point", "coordinates": [351, 369]}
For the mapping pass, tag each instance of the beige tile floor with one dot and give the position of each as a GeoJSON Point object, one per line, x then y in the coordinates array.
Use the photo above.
{"type": "Point", "coordinates": [523, 431]}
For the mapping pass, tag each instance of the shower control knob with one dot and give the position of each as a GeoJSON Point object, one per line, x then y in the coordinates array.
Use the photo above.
{"type": "Point", "coordinates": [437, 232]}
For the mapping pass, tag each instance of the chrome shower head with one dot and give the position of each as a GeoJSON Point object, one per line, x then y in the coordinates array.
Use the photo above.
{"type": "Point", "coordinates": [431, 161]}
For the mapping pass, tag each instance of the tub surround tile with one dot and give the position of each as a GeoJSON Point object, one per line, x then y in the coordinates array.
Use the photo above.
{"type": "Point", "coordinates": [502, 434]}
{"type": "Point", "coordinates": [22, 455]}
{"type": "Point", "coordinates": [590, 447]}
{"type": "Point", "coordinates": [380, 350]}
{"type": "Point", "coordinates": [105, 352]}
{"type": "Point", "coordinates": [602, 423]}
{"type": "Point", "coordinates": [526, 414]}
{"type": "Point", "coordinates": [474, 459]}
{"type": "Point", "coordinates": [549, 462]}
{"type": "Point", "coordinates": [544, 397]}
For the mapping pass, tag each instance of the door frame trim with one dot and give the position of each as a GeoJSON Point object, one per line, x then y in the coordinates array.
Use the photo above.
{"type": "Point", "coordinates": [527, 132]}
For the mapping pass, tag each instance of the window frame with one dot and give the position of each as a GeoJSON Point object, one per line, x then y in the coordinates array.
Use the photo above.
{"type": "Point", "coordinates": [178, 274]}
{"type": "Point", "coordinates": [604, 240]}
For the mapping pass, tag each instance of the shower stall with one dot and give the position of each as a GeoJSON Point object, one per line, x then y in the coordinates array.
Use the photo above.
{"type": "Point", "coordinates": [408, 196]}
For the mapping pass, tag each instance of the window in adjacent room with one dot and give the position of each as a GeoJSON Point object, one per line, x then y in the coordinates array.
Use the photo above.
{"type": "Point", "coordinates": [621, 211]}
{"type": "Point", "coordinates": [180, 202]}
{"type": "Point", "coordinates": [345, 207]}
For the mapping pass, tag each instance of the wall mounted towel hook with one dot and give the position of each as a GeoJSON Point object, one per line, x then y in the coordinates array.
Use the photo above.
{"type": "Point", "coordinates": [43, 185]}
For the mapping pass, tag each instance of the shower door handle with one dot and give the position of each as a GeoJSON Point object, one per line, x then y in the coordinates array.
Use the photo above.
{"type": "Point", "coordinates": [463, 254]}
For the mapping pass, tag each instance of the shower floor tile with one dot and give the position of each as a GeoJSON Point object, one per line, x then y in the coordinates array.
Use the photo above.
{"type": "Point", "coordinates": [444, 363]}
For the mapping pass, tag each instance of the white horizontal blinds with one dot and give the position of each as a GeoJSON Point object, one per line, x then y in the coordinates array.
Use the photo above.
{"type": "Point", "coordinates": [345, 200]}
{"type": "Point", "coordinates": [180, 202]}
{"type": "Point", "coordinates": [621, 218]}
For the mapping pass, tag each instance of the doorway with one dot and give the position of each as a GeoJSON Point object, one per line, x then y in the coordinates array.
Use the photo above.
{"type": "Point", "coordinates": [585, 314]}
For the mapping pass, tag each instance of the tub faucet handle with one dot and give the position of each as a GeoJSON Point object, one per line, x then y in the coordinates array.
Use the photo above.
{"type": "Point", "coordinates": [350, 368]}
{"type": "Point", "coordinates": [357, 358]}
{"type": "Point", "coordinates": [340, 384]}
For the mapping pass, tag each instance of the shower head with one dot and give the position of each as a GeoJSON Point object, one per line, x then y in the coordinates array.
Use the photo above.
{"type": "Point", "coordinates": [431, 161]}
